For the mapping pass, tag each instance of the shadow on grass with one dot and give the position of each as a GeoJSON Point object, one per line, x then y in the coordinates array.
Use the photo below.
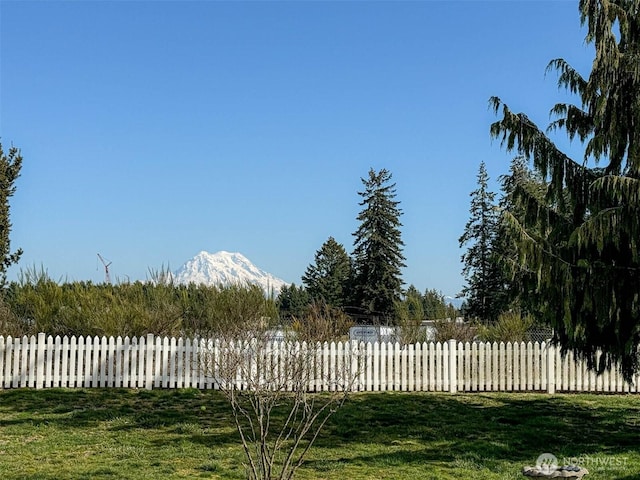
{"type": "Point", "coordinates": [178, 411]}
{"type": "Point", "coordinates": [487, 429]}
{"type": "Point", "coordinates": [373, 429]}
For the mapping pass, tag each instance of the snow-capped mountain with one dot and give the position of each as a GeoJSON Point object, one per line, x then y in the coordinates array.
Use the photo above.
{"type": "Point", "coordinates": [455, 301]}
{"type": "Point", "coordinates": [224, 268]}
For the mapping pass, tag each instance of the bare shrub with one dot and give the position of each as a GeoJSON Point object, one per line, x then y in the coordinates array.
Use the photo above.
{"type": "Point", "coordinates": [321, 323]}
{"type": "Point", "coordinates": [270, 387]}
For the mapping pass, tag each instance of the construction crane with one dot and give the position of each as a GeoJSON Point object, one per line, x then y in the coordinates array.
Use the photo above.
{"type": "Point", "coordinates": [107, 278]}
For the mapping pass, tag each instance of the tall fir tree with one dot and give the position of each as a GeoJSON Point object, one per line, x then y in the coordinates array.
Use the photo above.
{"type": "Point", "coordinates": [378, 245]}
{"type": "Point", "coordinates": [481, 269]}
{"type": "Point", "coordinates": [520, 292]}
{"type": "Point", "coordinates": [329, 278]}
{"type": "Point", "coordinates": [10, 166]}
{"type": "Point", "coordinates": [582, 239]}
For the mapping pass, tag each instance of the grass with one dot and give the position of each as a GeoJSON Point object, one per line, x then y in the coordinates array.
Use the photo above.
{"type": "Point", "coordinates": [126, 434]}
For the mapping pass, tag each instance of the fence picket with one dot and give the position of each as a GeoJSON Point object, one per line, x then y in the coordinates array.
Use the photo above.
{"type": "Point", "coordinates": [193, 363]}
{"type": "Point", "coordinates": [18, 368]}
{"type": "Point", "coordinates": [9, 365]}
{"type": "Point", "coordinates": [111, 362]}
{"type": "Point", "coordinates": [124, 373]}
{"type": "Point", "coordinates": [33, 371]}
{"type": "Point", "coordinates": [145, 362]}
{"type": "Point", "coordinates": [85, 361]}
{"type": "Point", "coordinates": [385, 380]}
{"type": "Point", "coordinates": [55, 379]}
{"type": "Point", "coordinates": [425, 366]}
{"type": "Point", "coordinates": [101, 364]}
{"type": "Point", "coordinates": [445, 366]}
{"type": "Point", "coordinates": [480, 385]}
{"type": "Point", "coordinates": [180, 351]}
{"type": "Point", "coordinates": [3, 351]}
{"type": "Point", "coordinates": [79, 369]}
{"type": "Point", "coordinates": [368, 362]}
{"type": "Point", "coordinates": [469, 356]}
{"type": "Point", "coordinates": [403, 367]}
{"type": "Point", "coordinates": [340, 364]}
{"type": "Point", "coordinates": [376, 366]}
{"type": "Point", "coordinates": [66, 360]}
{"type": "Point", "coordinates": [420, 366]}
{"type": "Point", "coordinates": [95, 361]}
{"type": "Point", "coordinates": [436, 358]}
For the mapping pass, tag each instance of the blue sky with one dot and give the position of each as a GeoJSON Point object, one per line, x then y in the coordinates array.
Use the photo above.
{"type": "Point", "coordinates": [153, 130]}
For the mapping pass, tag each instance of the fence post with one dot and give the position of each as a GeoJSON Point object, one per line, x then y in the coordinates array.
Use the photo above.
{"type": "Point", "coordinates": [453, 366]}
{"type": "Point", "coordinates": [551, 369]}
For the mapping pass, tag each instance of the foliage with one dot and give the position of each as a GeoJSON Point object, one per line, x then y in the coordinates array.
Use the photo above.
{"type": "Point", "coordinates": [520, 291]}
{"type": "Point", "coordinates": [9, 324]}
{"type": "Point", "coordinates": [292, 302]}
{"type": "Point", "coordinates": [328, 279]}
{"type": "Point", "coordinates": [322, 322]}
{"type": "Point", "coordinates": [435, 307]}
{"type": "Point", "coordinates": [40, 304]}
{"type": "Point", "coordinates": [485, 279]}
{"type": "Point", "coordinates": [227, 308]}
{"type": "Point", "coordinates": [510, 327]}
{"type": "Point", "coordinates": [409, 317]}
{"type": "Point", "coordinates": [455, 330]}
{"type": "Point", "coordinates": [377, 254]}
{"type": "Point", "coordinates": [581, 240]}
{"type": "Point", "coordinates": [10, 166]}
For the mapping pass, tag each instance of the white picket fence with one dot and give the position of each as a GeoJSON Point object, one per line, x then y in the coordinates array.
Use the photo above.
{"type": "Point", "coordinates": [159, 362]}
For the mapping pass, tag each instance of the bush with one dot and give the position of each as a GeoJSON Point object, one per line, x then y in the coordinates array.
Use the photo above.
{"type": "Point", "coordinates": [36, 304]}
{"type": "Point", "coordinates": [510, 327]}
{"type": "Point", "coordinates": [454, 330]}
{"type": "Point", "coordinates": [9, 323]}
{"type": "Point", "coordinates": [409, 316]}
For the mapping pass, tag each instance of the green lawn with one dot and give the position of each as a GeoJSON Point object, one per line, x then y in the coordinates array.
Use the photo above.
{"type": "Point", "coordinates": [126, 434]}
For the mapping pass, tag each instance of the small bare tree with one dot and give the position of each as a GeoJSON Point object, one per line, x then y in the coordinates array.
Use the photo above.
{"type": "Point", "coordinates": [281, 391]}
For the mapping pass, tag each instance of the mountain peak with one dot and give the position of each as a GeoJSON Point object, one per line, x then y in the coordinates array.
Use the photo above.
{"type": "Point", "coordinates": [226, 268]}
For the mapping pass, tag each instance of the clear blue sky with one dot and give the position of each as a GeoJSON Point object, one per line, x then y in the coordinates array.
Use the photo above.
{"type": "Point", "coordinates": [153, 130]}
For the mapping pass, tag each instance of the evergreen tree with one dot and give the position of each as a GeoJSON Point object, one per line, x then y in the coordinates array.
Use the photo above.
{"type": "Point", "coordinates": [328, 279]}
{"type": "Point", "coordinates": [409, 317]}
{"type": "Point", "coordinates": [520, 291]}
{"type": "Point", "coordinates": [480, 266]}
{"type": "Point", "coordinates": [378, 246]}
{"type": "Point", "coordinates": [10, 165]}
{"type": "Point", "coordinates": [582, 239]}
{"type": "Point", "coordinates": [435, 307]}
{"type": "Point", "coordinates": [292, 301]}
